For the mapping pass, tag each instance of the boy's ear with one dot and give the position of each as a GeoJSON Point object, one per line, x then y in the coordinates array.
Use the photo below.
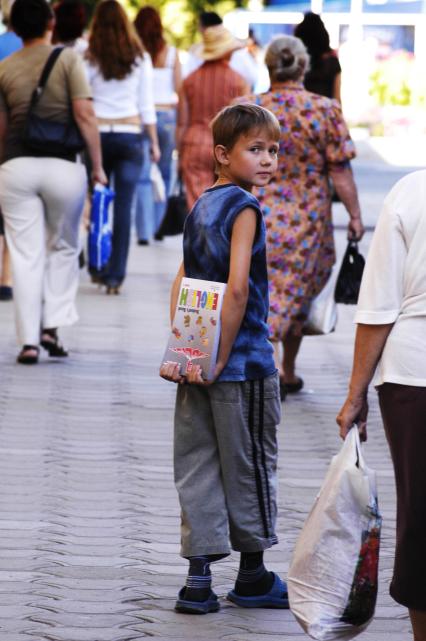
{"type": "Point", "coordinates": [221, 155]}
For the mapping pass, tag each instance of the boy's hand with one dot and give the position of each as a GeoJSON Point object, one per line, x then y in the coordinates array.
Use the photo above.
{"type": "Point", "coordinates": [171, 372]}
{"type": "Point", "coordinates": [194, 376]}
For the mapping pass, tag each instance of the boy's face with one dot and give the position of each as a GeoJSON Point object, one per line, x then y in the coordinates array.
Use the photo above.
{"type": "Point", "coordinates": [251, 162]}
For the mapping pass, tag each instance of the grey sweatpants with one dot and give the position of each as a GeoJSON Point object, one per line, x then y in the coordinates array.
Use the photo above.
{"type": "Point", "coordinates": [225, 455]}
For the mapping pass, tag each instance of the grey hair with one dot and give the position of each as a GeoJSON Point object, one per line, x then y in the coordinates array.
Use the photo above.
{"type": "Point", "coordinates": [286, 58]}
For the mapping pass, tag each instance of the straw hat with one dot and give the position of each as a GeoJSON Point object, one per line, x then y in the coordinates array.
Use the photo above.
{"type": "Point", "coordinates": [217, 42]}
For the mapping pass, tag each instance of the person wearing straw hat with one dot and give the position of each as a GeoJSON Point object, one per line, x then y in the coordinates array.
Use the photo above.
{"type": "Point", "coordinates": [203, 94]}
{"type": "Point", "coordinates": [242, 61]}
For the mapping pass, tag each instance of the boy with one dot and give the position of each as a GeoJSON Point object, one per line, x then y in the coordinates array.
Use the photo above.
{"type": "Point", "coordinates": [225, 430]}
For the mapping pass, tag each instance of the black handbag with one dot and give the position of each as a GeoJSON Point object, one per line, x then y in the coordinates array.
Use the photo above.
{"type": "Point", "coordinates": [350, 275]}
{"type": "Point", "coordinates": [176, 213]}
{"type": "Point", "coordinates": [47, 137]}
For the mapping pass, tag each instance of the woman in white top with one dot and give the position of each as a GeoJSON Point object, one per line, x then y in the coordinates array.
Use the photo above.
{"type": "Point", "coordinates": [167, 81]}
{"type": "Point", "coordinates": [120, 74]}
{"type": "Point", "coordinates": [391, 340]}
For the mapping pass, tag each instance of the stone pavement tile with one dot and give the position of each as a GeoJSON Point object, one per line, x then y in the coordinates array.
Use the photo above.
{"type": "Point", "coordinates": [83, 607]}
{"type": "Point", "coordinates": [10, 636]}
{"type": "Point", "coordinates": [82, 634]}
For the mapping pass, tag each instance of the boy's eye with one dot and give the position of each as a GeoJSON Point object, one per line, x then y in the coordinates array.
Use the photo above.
{"type": "Point", "coordinates": [273, 151]}
{"type": "Point", "coordinates": [255, 149]}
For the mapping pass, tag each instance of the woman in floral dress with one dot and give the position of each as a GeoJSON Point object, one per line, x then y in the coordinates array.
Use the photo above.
{"type": "Point", "coordinates": [315, 147]}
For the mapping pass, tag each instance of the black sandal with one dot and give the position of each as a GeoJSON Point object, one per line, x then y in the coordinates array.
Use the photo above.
{"type": "Point", "coordinates": [27, 359]}
{"type": "Point", "coordinates": [52, 344]}
{"type": "Point", "coordinates": [293, 388]}
{"type": "Point", "coordinates": [113, 290]}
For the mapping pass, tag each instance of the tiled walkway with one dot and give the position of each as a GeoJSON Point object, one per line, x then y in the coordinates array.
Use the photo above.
{"type": "Point", "coordinates": [88, 512]}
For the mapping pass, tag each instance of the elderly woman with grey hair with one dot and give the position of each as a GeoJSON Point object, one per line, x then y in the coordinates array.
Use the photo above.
{"type": "Point", "coordinates": [315, 147]}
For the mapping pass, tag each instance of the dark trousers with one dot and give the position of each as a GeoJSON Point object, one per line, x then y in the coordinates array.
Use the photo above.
{"type": "Point", "coordinates": [122, 159]}
{"type": "Point", "coordinates": [403, 409]}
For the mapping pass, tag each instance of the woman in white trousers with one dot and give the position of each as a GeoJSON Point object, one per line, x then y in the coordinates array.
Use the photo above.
{"type": "Point", "coordinates": [42, 195]}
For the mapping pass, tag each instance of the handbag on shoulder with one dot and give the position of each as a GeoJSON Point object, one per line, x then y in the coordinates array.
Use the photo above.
{"type": "Point", "coordinates": [350, 275]}
{"type": "Point", "coordinates": [48, 137]}
{"type": "Point", "coordinates": [176, 212]}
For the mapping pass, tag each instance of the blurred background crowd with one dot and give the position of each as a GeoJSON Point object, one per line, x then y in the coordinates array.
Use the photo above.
{"type": "Point", "coordinates": [142, 84]}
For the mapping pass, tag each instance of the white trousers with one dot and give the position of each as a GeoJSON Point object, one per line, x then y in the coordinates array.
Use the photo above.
{"type": "Point", "coordinates": [42, 200]}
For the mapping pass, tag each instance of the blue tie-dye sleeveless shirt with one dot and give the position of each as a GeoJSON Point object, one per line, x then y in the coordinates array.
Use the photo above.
{"type": "Point", "coordinates": [206, 251]}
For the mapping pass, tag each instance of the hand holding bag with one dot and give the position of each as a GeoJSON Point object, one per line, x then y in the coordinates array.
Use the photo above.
{"type": "Point", "coordinates": [100, 233]}
{"type": "Point", "coordinates": [350, 275]}
{"type": "Point", "coordinates": [333, 576]}
{"type": "Point", "coordinates": [49, 137]}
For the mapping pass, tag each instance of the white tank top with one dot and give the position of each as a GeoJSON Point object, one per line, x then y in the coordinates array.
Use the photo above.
{"type": "Point", "coordinates": [164, 90]}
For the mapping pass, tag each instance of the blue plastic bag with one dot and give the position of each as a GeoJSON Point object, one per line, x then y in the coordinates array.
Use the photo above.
{"type": "Point", "coordinates": [100, 234]}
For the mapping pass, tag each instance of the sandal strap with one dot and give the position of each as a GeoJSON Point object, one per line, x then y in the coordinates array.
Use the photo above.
{"type": "Point", "coordinates": [53, 333]}
{"type": "Point", "coordinates": [26, 348]}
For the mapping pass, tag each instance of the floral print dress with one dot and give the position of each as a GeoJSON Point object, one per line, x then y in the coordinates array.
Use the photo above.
{"type": "Point", "coordinates": [297, 202]}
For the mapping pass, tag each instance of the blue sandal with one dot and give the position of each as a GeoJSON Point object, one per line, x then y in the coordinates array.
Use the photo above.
{"type": "Point", "coordinates": [196, 607]}
{"type": "Point", "coordinates": [277, 597]}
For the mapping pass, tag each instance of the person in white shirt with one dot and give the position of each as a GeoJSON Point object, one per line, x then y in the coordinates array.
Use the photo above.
{"type": "Point", "coordinates": [241, 60]}
{"type": "Point", "coordinates": [120, 74]}
{"type": "Point", "coordinates": [149, 212]}
{"type": "Point", "coordinates": [391, 340]}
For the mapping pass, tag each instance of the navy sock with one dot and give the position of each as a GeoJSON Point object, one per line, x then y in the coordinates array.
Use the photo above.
{"type": "Point", "coordinates": [253, 578]}
{"type": "Point", "coordinates": [199, 579]}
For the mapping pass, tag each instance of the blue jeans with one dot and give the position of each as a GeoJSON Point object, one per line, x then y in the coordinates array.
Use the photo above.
{"type": "Point", "coordinates": [122, 159]}
{"type": "Point", "coordinates": [148, 213]}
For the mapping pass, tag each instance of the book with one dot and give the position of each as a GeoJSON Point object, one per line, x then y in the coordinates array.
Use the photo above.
{"type": "Point", "coordinates": [195, 334]}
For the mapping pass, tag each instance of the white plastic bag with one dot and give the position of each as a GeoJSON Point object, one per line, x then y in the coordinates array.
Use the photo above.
{"type": "Point", "coordinates": [157, 183]}
{"type": "Point", "coordinates": [332, 580]}
{"type": "Point", "coordinates": [322, 315]}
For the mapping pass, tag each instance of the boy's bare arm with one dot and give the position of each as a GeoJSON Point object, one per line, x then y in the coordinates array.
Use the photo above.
{"type": "Point", "coordinates": [175, 291]}
{"type": "Point", "coordinates": [237, 290]}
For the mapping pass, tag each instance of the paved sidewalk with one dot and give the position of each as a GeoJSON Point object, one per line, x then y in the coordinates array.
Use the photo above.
{"type": "Point", "coordinates": [88, 512]}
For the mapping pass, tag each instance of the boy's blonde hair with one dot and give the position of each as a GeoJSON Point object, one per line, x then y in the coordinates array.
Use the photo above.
{"type": "Point", "coordinates": [238, 120]}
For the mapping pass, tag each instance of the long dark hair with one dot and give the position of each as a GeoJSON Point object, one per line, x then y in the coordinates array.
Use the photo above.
{"type": "Point", "coordinates": [113, 44]}
{"type": "Point", "coordinates": [314, 36]}
{"type": "Point", "coordinates": [150, 31]}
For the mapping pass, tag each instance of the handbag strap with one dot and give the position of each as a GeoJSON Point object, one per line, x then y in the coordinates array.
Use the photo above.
{"type": "Point", "coordinates": [53, 56]}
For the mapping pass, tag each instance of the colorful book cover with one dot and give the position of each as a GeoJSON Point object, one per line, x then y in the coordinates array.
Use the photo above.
{"type": "Point", "coordinates": [196, 327]}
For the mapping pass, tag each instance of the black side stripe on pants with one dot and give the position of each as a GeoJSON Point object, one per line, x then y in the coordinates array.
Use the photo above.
{"type": "Point", "coordinates": [257, 473]}
{"type": "Point", "coordinates": [262, 445]}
